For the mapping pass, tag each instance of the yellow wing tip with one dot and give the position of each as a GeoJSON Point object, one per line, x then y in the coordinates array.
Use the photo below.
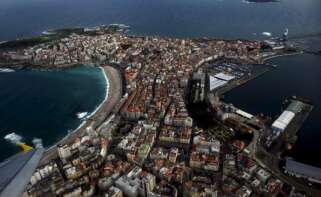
{"type": "Point", "coordinates": [25, 147]}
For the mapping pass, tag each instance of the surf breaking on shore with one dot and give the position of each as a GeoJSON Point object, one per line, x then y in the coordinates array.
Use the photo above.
{"type": "Point", "coordinates": [13, 138]}
{"type": "Point", "coordinates": [88, 115]}
{"type": "Point", "coordinates": [17, 139]}
{"type": "Point", "coordinates": [113, 94]}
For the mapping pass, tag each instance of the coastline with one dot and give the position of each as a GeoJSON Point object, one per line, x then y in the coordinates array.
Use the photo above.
{"type": "Point", "coordinates": [106, 94]}
{"type": "Point", "coordinates": [265, 59]}
{"type": "Point", "coordinates": [113, 94]}
{"type": "Point", "coordinates": [88, 116]}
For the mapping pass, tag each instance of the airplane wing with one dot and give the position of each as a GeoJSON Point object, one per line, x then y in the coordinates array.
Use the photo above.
{"type": "Point", "coordinates": [16, 171]}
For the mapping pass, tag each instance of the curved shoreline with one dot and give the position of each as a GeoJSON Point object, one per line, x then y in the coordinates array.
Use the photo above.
{"type": "Point", "coordinates": [106, 94]}
{"type": "Point", "coordinates": [113, 94]}
{"type": "Point", "coordinates": [88, 116]}
{"type": "Point", "coordinates": [280, 55]}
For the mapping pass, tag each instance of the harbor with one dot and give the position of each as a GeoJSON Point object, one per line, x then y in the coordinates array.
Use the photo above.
{"type": "Point", "coordinates": [216, 98]}
{"type": "Point", "coordinates": [272, 140]}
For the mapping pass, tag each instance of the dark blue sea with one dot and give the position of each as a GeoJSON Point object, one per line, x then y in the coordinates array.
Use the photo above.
{"type": "Point", "coordinates": [295, 76]}
{"type": "Point", "coordinates": [44, 104]}
{"type": "Point", "coordinates": [227, 19]}
{"type": "Point", "coordinates": [177, 18]}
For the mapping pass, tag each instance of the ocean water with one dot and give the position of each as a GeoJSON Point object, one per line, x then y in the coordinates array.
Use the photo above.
{"type": "Point", "coordinates": [295, 76]}
{"type": "Point", "coordinates": [178, 18]}
{"type": "Point", "coordinates": [227, 19]}
{"type": "Point", "coordinates": [44, 104]}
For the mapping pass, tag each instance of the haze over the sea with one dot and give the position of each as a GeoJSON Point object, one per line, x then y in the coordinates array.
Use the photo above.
{"type": "Point", "coordinates": [178, 18]}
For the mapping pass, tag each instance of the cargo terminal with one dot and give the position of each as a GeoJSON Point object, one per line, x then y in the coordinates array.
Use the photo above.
{"type": "Point", "coordinates": [282, 122]}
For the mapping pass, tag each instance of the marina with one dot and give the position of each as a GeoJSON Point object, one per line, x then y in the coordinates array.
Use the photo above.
{"type": "Point", "coordinates": [195, 102]}
{"type": "Point", "coordinates": [257, 97]}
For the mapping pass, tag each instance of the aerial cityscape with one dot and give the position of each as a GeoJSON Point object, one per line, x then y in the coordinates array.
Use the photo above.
{"type": "Point", "coordinates": [174, 116]}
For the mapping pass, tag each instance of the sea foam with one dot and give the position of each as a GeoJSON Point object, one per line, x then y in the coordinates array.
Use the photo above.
{"type": "Point", "coordinates": [13, 138]}
{"type": "Point", "coordinates": [268, 34]}
{"type": "Point", "coordinates": [37, 142]}
{"type": "Point", "coordinates": [81, 115]}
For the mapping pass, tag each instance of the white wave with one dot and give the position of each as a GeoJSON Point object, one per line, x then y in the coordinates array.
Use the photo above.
{"type": "Point", "coordinates": [70, 132]}
{"type": "Point", "coordinates": [48, 33]}
{"type": "Point", "coordinates": [119, 25]}
{"type": "Point", "coordinates": [268, 34]}
{"type": "Point", "coordinates": [13, 138]}
{"type": "Point", "coordinates": [37, 142]}
{"type": "Point", "coordinates": [248, 1]}
{"type": "Point", "coordinates": [6, 70]}
{"type": "Point", "coordinates": [245, 1]}
{"type": "Point", "coordinates": [106, 94]}
{"type": "Point", "coordinates": [82, 115]}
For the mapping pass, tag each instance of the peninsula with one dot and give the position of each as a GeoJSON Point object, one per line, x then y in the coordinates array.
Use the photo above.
{"type": "Point", "coordinates": [146, 139]}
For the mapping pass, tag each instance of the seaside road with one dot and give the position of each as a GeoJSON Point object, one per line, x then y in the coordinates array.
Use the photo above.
{"type": "Point", "coordinates": [114, 95]}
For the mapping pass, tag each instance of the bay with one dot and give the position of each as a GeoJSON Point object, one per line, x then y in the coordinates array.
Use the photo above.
{"type": "Point", "coordinates": [44, 104]}
{"type": "Point", "coordinates": [295, 76]}
{"type": "Point", "coordinates": [227, 19]}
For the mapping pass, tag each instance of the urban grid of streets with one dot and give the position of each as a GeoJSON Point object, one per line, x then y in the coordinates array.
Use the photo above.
{"type": "Point", "coordinates": [146, 143]}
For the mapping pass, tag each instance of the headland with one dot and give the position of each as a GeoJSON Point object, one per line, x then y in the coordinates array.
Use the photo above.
{"type": "Point", "coordinates": [148, 132]}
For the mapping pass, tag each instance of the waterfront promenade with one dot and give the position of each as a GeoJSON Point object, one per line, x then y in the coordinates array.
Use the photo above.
{"type": "Point", "coordinates": [114, 94]}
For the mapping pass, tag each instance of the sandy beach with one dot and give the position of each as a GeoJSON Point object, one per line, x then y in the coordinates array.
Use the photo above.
{"type": "Point", "coordinates": [113, 95]}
